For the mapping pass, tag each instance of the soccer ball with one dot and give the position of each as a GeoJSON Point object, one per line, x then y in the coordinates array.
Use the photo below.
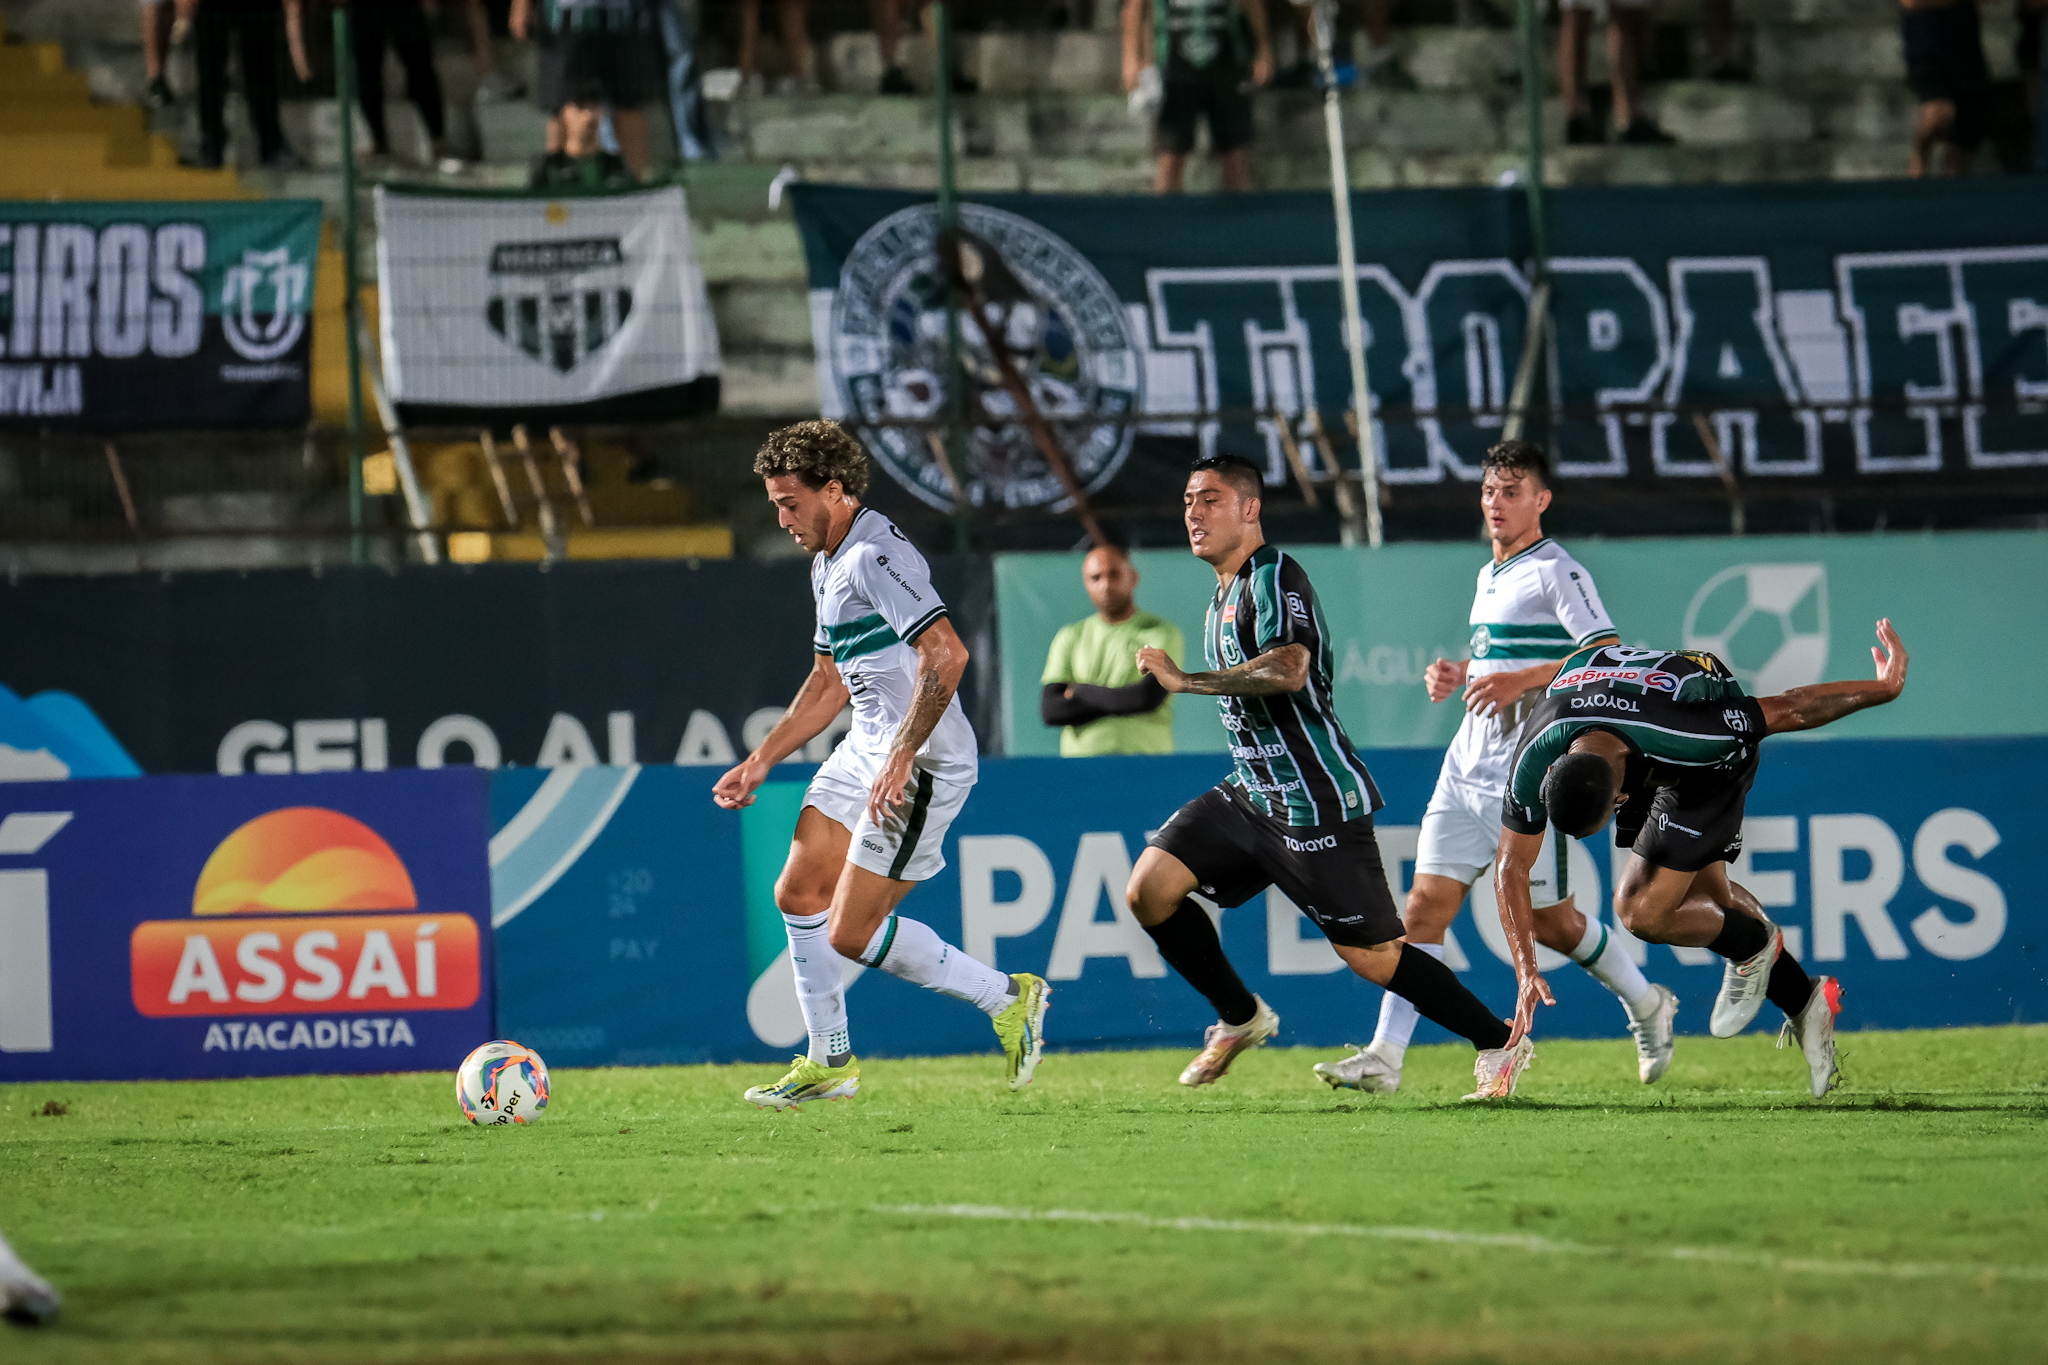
{"type": "Point", "coordinates": [502, 1082]}
{"type": "Point", "coordinates": [1767, 622]}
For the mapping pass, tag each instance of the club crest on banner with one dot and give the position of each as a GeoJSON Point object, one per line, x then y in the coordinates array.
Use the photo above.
{"type": "Point", "coordinates": [264, 277]}
{"type": "Point", "coordinates": [559, 301]}
{"type": "Point", "coordinates": [1062, 325]}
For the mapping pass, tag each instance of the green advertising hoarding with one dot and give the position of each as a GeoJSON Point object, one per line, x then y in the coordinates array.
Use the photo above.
{"type": "Point", "coordinates": [1782, 610]}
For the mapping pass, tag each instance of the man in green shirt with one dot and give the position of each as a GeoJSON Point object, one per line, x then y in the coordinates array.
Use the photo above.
{"type": "Point", "coordinates": [1092, 683]}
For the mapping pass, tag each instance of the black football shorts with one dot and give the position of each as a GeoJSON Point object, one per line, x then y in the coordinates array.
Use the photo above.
{"type": "Point", "coordinates": [1692, 822]}
{"type": "Point", "coordinates": [1333, 872]}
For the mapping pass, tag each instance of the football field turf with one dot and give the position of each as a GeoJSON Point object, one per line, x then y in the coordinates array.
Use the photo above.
{"type": "Point", "coordinates": [1721, 1215]}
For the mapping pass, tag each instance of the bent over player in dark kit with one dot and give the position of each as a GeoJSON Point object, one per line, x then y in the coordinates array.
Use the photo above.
{"type": "Point", "coordinates": [1296, 813]}
{"type": "Point", "coordinates": [1667, 743]}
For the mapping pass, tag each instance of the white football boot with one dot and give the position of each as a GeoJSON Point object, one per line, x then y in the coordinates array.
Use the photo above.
{"type": "Point", "coordinates": [1222, 1043]}
{"type": "Point", "coordinates": [1499, 1070]}
{"type": "Point", "coordinates": [1363, 1070]}
{"type": "Point", "coordinates": [26, 1298]}
{"type": "Point", "coordinates": [1654, 1036]}
{"type": "Point", "coordinates": [1742, 988]}
{"type": "Point", "coordinates": [1813, 1028]}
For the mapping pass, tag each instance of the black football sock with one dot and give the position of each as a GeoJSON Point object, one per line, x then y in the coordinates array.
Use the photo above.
{"type": "Point", "coordinates": [1187, 940]}
{"type": "Point", "coordinates": [1441, 998]}
{"type": "Point", "coordinates": [1789, 987]}
{"type": "Point", "coordinates": [1741, 938]}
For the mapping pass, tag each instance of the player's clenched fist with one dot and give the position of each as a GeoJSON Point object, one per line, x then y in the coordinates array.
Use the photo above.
{"type": "Point", "coordinates": [1161, 666]}
{"type": "Point", "coordinates": [736, 789]}
{"type": "Point", "coordinates": [1444, 677]}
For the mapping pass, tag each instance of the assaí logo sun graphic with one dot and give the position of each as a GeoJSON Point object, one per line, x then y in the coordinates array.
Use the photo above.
{"type": "Point", "coordinates": [304, 912]}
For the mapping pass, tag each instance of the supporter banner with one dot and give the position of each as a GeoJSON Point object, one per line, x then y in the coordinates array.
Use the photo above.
{"type": "Point", "coordinates": [498, 665]}
{"type": "Point", "coordinates": [1901, 867]}
{"type": "Point", "coordinates": [587, 307]}
{"type": "Point", "coordinates": [177, 927]}
{"type": "Point", "coordinates": [1784, 611]}
{"type": "Point", "coordinates": [156, 314]}
{"type": "Point", "coordinates": [1836, 332]}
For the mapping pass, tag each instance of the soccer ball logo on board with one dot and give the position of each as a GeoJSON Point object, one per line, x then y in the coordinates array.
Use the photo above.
{"type": "Point", "coordinates": [1767, 622]}
{"type": "Point", "coordinates": [1064, 329]}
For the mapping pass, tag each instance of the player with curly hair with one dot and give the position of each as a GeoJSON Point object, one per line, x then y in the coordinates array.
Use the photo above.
{"type": "Point", "coordinates": [877, 811]}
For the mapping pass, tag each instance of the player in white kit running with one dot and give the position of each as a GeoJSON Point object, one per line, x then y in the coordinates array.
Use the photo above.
{"type": "Point", "coordinates": [1535, 605]}
{"type": "Point", "coordinates": [877, 811]}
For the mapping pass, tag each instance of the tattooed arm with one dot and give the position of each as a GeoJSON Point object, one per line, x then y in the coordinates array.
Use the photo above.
{"type": "Point", "coordinates": [941, 660]}
{"type": "Point", "coordinates": [1284, 668]}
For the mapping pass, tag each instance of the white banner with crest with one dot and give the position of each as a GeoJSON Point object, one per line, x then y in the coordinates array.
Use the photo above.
{"type": "Point", "coordinates": [579, 306]}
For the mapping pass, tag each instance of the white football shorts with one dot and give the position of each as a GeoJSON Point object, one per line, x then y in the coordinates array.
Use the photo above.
{"type": "Point", "coordinates": [906, 847]}
{"type": "Point", "coordinates": [1461, 834]}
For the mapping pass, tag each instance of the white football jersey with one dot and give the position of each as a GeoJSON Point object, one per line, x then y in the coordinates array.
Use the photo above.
{"type": "Point", "coordinates": [1539, 605]}
{"type": "Point", "coordinates": [875, 597]}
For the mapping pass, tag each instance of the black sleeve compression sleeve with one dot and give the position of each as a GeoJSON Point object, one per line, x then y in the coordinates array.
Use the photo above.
{"type": "Point", "coordinates": [1135, 700]}
{"type": "Point", "coordinates": [1055, 709]}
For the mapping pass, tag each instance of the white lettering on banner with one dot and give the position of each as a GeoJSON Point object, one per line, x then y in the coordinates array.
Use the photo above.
{"type": "Point", "coordinates": [41, 391]}
{"type": "Point", "coordinates": [1774, 890]}
{"type": "Point", "coordinates": [1102, 866]}
{"type": "Point", "coordinates": [983, 918]}
{"type": "Point", "coordinates": [198, 970]}
{"type": "Point", "coordinates": [705, 743]}
{"type": "Point", "coordinates": [316, 746]}
{"type": "Point", "coordinates": [437, 738]}
{"type": "Point", "coordinates": [1836, 900]}
{"type": "Point", "coordinates": [1902, 343]}
{"type": "Point", "coordinates": [268, 978]}
{"type": "Point", "coordinates": [566, 744]}
{"type": "Point", "coordinates": [115, 292]}
{"type": "Point", "coordinates": [1937, 933]}
{"type": "Point", "coordinates": [317, 1034]}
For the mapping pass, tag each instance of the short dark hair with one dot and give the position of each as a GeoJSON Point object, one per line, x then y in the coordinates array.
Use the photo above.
{"type": "Point", "coordinates": [1247, 478]}
{"type": "Point", "coordinates": [1517, 457]}
{"type": "Point", "coordinates": [817, 453]}
{"type": "Point", "coordinates": [1577, 792]}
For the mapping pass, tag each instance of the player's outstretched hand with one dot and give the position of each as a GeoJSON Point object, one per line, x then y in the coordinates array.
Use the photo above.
{"type": "Point", "coordinates": [1161, 666]}
{"type": "Point", "coordinates": [735, 790]}
{"type": "Point", "coordinates": [1891, 658]}
{"type": "Point", "coordinates": [1443, 677]}
{"type": "Point", "coordinates": [892, 785]}
{"type": "Point", "coordinates": [1531, 989]}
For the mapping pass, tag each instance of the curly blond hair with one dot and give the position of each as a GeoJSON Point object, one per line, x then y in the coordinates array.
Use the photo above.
{"type": "Point", "coordinates": [817, 453]}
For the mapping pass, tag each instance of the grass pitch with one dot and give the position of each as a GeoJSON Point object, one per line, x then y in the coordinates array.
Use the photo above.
{"type": "Point", "coordinates": [1720, 1215]}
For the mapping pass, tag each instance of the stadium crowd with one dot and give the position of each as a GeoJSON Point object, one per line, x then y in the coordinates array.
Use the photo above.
{"type": "Point", "coordinates": [1185, 64]}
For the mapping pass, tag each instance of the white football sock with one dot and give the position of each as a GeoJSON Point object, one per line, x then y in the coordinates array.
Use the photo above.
{"type": "Point", "coordinates": [1611, 966]}
{"type": "Point", "coordinates": [820, 984]}
{"type": "Point", "coordinates": [1397, 1018]}
{"type": "Point", "coordinates": [904, 947]}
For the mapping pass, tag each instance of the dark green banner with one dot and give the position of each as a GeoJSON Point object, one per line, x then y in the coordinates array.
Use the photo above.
{"type": "Point", "coordinates": [152, 315]}
{"type": "Point", "coordinates": [1837, 336]}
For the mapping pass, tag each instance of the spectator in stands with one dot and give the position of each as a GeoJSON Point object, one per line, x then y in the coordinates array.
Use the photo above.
{"type": "Point", "coordinates": [1092, 684]}
{"type": "Point", "coordinates": [253, 26]}
{"type": "Point", "coordinates": [403, 26]}
{"type": "Point", "coordinates": [1719, 27]}
{"type": "Point", "coordinates": [1379, 64]}
{"type": "Point", "coordinates": [613, 46]}
{"type": "Point", "coordinates": [889, 27]}
{"type": "Point", "coordinates": [156, 33]}
{"type": "Point", "coordinates": [582, 163]}
{"type": "Point", "coordinates": [491, 84]}
{"type": "Point", "coordinates": [1628, 35]}
{"type": "Point", "coordinates": [1209, 55]}
{"type": "Point", "coordinates": [686, 111]}
{"type": "Point", "coordinates": [2033, 63]}
{"type": "Point", "coordinates": [1946, 70]}
{"type": "Point", "coordinates": [796, 47]}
